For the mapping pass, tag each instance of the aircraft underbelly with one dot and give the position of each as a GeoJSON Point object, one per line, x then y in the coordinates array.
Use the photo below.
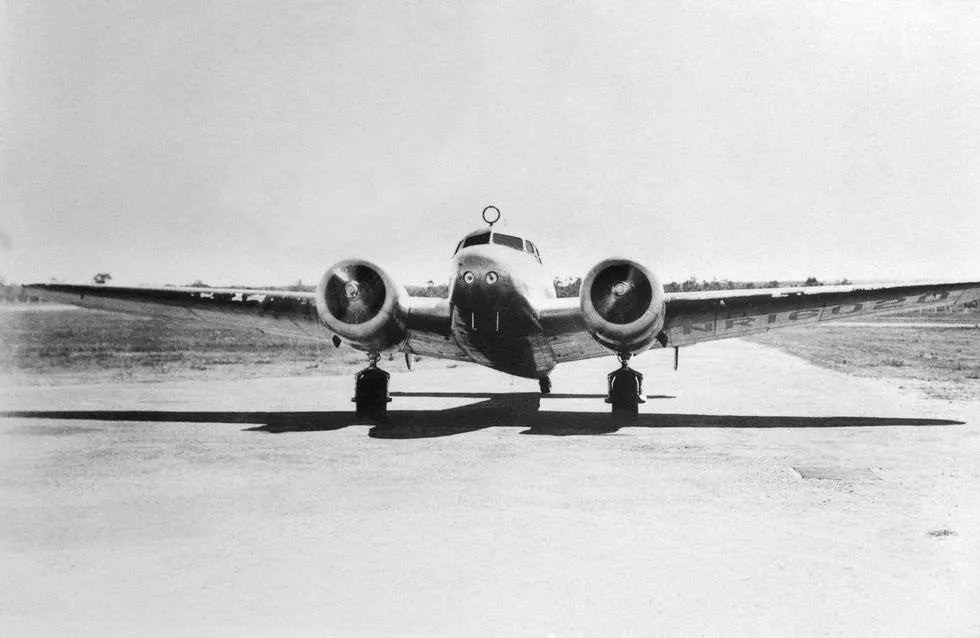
{"type": "Point", "coordinates": [508, 341]}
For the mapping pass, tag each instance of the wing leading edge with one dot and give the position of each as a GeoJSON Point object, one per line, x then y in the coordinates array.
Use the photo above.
{"type": "Point", "coordinates": [276, 312]}
{"type": "Point", "coordinates": [690, 317]}
{"type": "Point", "coordinates": [706, 316]}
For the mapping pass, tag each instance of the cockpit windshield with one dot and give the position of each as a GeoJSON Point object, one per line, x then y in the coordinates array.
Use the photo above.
{"type": "Point", "coordinates": [502, 240]}
{"type": "Point", "coordinates": [482, 238]}
{"type": "Point", "coordinates": [509, 240]}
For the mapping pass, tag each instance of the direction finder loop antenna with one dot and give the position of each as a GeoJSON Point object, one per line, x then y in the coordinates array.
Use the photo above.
{"type": "Point", "coordinates": [491, 214]}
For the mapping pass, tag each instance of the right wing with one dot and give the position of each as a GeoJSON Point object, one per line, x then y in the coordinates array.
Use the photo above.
{"type": "Point", "coordinates": [282, 313]}
{"type": "Point", "coordinates": [275, 312]}
{"type": "Point", "coordinates": [429, 334]}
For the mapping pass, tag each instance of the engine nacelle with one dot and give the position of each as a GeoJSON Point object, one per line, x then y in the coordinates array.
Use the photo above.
{"type": "Point", "coordinates": [623, 305]}
{"type": "Point", "coordinates": [362, 304]}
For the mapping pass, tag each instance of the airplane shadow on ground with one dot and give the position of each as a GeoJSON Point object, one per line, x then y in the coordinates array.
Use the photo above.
{"type": "Point", "coordinates": [522, 410]}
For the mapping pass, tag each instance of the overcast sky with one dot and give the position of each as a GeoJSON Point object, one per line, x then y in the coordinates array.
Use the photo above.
{"type": "Point", "coordinates": [257, 143]}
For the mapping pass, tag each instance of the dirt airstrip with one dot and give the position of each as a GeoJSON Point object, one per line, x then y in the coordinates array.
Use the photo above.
{"type": "Point", "coordinates": [756, 495]}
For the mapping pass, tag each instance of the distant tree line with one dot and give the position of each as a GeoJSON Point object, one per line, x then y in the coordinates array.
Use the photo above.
{"type": "Point", "coordinates": [428, 289]}
{"type": "Point", "coordinates": [693, 284]}
{"type": "Point", "coordinates": [569, 287]}
{"type": "Point", "coordinates": [14, 293]}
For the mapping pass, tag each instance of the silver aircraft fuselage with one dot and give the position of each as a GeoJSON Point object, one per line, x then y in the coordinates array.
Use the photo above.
{"type": "Point", "coordinates": [493, 294]}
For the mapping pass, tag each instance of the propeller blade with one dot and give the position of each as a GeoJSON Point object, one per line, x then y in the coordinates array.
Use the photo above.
{"type": "Point", "coordinates": [621, 293]}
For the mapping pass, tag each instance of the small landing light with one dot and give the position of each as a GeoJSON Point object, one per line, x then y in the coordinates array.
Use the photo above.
{"type": "Point", "coordinates": [468, 277]}
{"type": "Point", "coordinates": [491, 277]}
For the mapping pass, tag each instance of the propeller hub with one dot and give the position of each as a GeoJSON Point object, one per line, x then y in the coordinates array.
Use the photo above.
{"type": "Point", "coordinates": [622, 288]}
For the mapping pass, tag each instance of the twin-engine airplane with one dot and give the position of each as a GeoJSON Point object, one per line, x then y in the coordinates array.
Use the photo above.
{"type": "Point", "coordinates": [502, 312]}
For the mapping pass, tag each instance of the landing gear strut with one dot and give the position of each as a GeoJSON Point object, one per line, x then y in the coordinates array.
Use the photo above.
{"type": "Point", "coordinates": [625, 389]}
{"type": "Point", "coordinates": [371, 390]}
{"type": "Point", "coordinates": [545, 384]}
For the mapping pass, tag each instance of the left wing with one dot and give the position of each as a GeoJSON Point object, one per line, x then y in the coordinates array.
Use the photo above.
{"type": "Point", "coordinates": [564, 327]}
{"type": "Point", "coordinates": [694, 317]}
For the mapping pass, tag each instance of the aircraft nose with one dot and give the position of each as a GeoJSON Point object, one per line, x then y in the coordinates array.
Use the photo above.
{"type": "Point", "coordinates": [478, 283]}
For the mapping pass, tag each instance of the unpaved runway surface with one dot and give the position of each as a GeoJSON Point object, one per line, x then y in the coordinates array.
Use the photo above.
{"type": "Point", "coordinates": [758, 495]}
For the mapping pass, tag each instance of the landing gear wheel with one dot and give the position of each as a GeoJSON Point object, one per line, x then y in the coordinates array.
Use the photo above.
{"type": "Point", "coordinates": [545, 385]}
{"type": "Point", "coordinates": [625, 399]}
{"type": "Point", "coordinates": [371, 392]}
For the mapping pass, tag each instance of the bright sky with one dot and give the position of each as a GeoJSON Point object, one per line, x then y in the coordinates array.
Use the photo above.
{"type": "Point", "coordinates": [259, 142]}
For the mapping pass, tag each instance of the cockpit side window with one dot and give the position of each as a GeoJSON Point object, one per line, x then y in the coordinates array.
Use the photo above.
{"type": "Point", "coordinates": [458, 246]}
{"type": "Point", "coordinates": [475, 240]}
{"type": "Point", "coordinates": [509, 240]}
{"type": "Point", "coordinates": [531, 248]}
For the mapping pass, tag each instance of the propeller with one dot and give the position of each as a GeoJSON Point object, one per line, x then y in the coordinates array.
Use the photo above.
{"type": "Point", "coordinates": [621, 293]}
{"type": "Point", "coordinates": [355, 293]}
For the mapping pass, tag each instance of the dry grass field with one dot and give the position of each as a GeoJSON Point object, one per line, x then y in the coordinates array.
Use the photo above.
{"type": "Point", "coordinates": [42, 345]}
{"type": "Point", "coordinates": [57, 344]}
{"type": "Point", "coordinates": [944, 362]}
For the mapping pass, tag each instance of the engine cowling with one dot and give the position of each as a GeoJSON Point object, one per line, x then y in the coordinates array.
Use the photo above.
{"type": "Point", "coordinates": [623, 305]}
{"type": "Point", "coordinates": [362, 304]}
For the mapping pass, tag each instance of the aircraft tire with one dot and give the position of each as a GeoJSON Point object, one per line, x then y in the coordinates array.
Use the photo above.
{"type": "Point", "coordinates": [625, 404]}
{"type": "Point", "coordinates": [371, 394]}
